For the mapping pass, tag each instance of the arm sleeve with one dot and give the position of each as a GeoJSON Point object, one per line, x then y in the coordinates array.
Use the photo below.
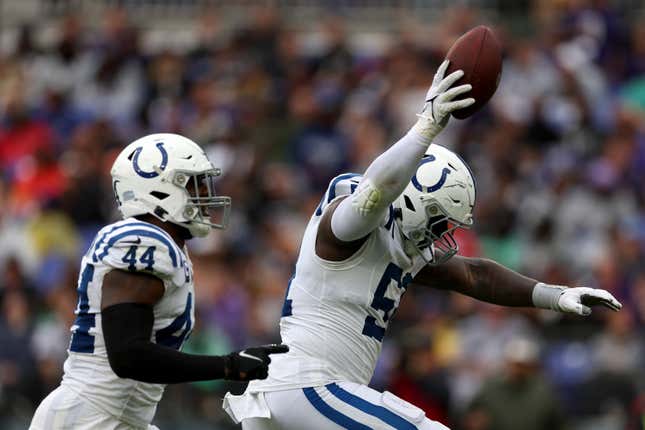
{"type": "Point", "coordinates": [383, 181]}
{"type": "Point", "coordinates": [127, 328]}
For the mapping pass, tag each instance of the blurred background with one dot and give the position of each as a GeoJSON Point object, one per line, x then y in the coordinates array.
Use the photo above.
{"type": "Point", "coordinates": [284, 95]}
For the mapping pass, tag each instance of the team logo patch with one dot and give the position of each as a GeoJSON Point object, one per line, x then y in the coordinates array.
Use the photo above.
{"type": "Point", "coordinates": [430, 188]}
{"type": "Point", "coordinates": [155, 172]}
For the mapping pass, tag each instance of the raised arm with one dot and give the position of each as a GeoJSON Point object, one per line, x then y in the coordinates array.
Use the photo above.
{"type": "Point", "coordinates": [491, 282]}
{"type": "Point", "coordinates": [355, 217]}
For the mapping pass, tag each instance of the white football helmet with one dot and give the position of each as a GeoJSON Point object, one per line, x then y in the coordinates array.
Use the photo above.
{"type": "Point", "coordinates": [439, 199]}
{"type": "Point", "coordinates": [170, 177]}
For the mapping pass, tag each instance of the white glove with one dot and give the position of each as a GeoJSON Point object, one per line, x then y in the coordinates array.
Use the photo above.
{"type": "Point", "coordinates": [439, 102]}
{"type": "Point", "coordinates": [572, 300]}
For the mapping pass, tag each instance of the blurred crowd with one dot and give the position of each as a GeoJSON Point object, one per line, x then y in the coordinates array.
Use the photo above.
{"type": "Point", "coordinates": [558, 155]}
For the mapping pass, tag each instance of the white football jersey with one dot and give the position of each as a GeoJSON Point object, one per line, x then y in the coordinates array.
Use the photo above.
{"type": "Point", "coordinates": [336, 313]}
{"type": "Point", "coordinates": [136, 246]}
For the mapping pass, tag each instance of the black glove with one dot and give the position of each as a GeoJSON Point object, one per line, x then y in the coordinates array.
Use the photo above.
{"type": "Point", "coordinates": [251, 363]}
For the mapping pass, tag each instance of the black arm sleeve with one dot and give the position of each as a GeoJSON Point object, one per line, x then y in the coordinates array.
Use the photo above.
{"type": "Point", "coordinates": [127, 328]}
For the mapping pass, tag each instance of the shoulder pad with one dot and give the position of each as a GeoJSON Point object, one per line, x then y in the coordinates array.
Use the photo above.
{"type": "Point", "coordinates": [341, 185]}
{"type": "Point", "coordinates": [137, 246]}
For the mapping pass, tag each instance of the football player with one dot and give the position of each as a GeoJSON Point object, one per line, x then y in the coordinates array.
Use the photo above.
{"type": "Point", "coordinates": [136, 295]}
{"type": "Point", "coordinates": [371, 237]}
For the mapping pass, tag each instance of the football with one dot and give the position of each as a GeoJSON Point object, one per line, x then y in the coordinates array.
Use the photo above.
{"type": "Point", "coordinates": [479, 54]}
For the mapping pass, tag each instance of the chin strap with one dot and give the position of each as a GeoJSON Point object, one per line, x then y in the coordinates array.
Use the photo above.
{"type": "Point", "coordinates": [411, 249]}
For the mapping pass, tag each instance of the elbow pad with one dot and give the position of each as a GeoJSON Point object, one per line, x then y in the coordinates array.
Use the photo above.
{"type": "Point", "coordinates": [358, 215]}
{"type": "Point", "coordinates": [367, 198]}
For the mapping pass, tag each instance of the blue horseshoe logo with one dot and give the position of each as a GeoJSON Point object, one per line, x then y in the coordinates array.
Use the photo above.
{"type": "Point", "coordinates": [153, 174]}
{"type": "Point", "coordinates": [432, 188]}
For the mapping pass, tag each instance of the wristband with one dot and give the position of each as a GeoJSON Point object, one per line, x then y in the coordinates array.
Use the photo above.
{"type": "Point", "coordinates": [546, 296]}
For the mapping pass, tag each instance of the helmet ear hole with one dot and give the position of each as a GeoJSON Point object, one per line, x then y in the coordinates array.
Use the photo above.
{"type": "Point", "coordinates": [159, 195]}
{"type": "Point", "coordinates": [408, 203]}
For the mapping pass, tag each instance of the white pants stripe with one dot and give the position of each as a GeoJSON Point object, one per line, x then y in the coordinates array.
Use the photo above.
{"type": "Point", "coordinates": [339, 406]}
{"type": "Point", "coordinates": [342, 405]}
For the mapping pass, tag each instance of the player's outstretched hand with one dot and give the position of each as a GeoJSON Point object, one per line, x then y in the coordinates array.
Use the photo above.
{"type": "Point", "coordinates": [440, 99]}
{"type": "Point", "coordinates": [252, 363]}
{"type": "Point", "coordinates": [580, 300]}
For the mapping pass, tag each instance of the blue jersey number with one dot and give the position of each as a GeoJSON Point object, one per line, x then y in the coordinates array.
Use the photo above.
{"type": "Point", "coordinates": [174, 335]}
{"type": "Point", "coordinates": [385, 304]}
{"type": "Point", "coordinates": [147, 258]}
{"type": "Point", "coordinates": [82, 340]}
{"type": "Point", "coordinates": [287, 306]}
